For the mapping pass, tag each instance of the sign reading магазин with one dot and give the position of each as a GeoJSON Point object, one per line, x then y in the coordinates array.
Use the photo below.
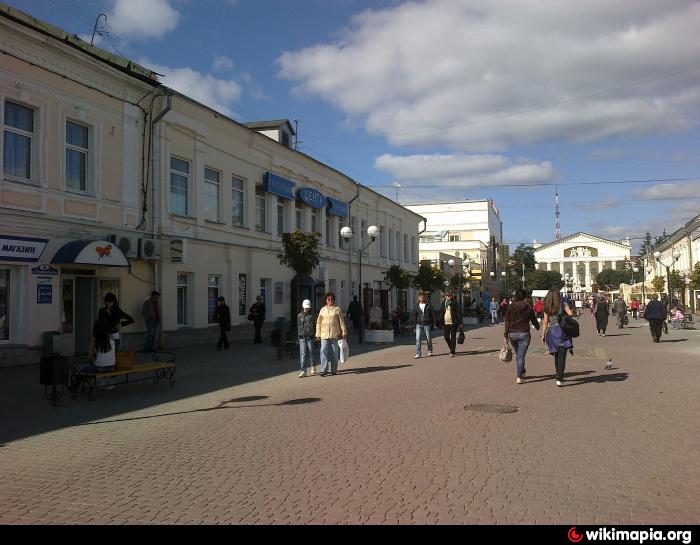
{"type": "Point", "coordinates": [21, 248]}
{"type": "Point", "coordinates": [279, 186]}
{"type": "Point", "coordinates": [337, 208]}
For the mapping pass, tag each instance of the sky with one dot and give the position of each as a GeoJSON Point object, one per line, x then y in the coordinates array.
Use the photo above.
{"type": "Point", "coordinates": [452, 99]}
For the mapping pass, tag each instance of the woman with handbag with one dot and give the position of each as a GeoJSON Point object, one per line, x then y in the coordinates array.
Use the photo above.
{"type": "Point", "coordinates": [330, 328]}
{"type": "Point", "coordinates": [558, 342]}
{"type": "Point", "coordinates": [519, 316]}
{"type": "Point", "coordinates": [453, 322]}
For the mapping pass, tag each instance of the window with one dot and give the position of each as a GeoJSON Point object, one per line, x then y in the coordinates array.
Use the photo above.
{"type": "Point", "coordinates": [355, 238]}
{"type": "Point", "coordinates": [454, 238]}
{"type": "Point", "coordinates": [17, 140]}
{"type": "Point", "coordinates": [211, 194]}
{"type": "Point", "coordinates": [363, 233]}
{"type": "Point", "coordinates": [4, 304]}
{"type": "Point", "coordinates": [182, 281]}
{"type": "Point", "coordinates": [314, 220]}
{"type": "Point", "coordinates": [280, 215]}
{"type": "Point", "coordinates": [413, 249]}
{"type": "Point", "coordinates": [391, 243]}
{"type": "Point", "coordinates": [76, 156]}
{"type": "Point", "coordinates": [179, 182]}
{"type": "Point", "coordinates": [213, 296]}
{"type": "Point", "coordinates": [398, 246]}
{"type": "Point", "coordinates": [259, 208]}
{"type": "Point", "coordinates": [341, 240]}
{"type": "Point", "coordinates": [237, 202]}
{"type": "Point", "coordinates": [382, 241]}
{"type": "Point", "coordinates": [405, 248]}
{"type": "Point", "coordinates": [299, 218]}
{"type": "Point", "coordinates": [328, 231]}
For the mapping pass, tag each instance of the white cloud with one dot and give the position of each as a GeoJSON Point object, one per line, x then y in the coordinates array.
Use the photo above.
{"type": "Point", "coordinates": [219, 94]}
{"type": "Point", "coordinates": [466, 170]}
{"type": "Point", "coordinates": [143, 19]}
{"type": "Point", "coordinates": [223, 64]}
{"type": "Point", "coordinates": [670, 191]}
{"type": "Point", "coordinates": [487, 76]}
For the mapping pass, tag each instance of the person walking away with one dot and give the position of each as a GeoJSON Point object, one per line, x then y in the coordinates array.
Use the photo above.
{"type": "Point", "coordinates": [453, 322]}
{"type": "Point", "coordinates": [424, 318]}
{"type": "Point", "coordinates": [102, 355]}
{"type": "Point", "coordinates": [330, 328]}
{"type": "Point", "coordinates": [655, 314]}
{"type": "Point", "coordinates": [538, 308]}
{"type": "Point", "coordinates": [257, 314]}
{"type": "Point", "coordinates": [115, 317]}
{"type": "Point", "coordinates": [493, 309]}
{"type": "Point", "coordinates": [558, 343]}
{"type": "Point", "coordinates": [634, 305]}
{"type": "Point", "coordinates": [151, 314]}
{"type": "Point", "coordinates": [601, 312]}
{"type": "Point", "coordinates": [305, 331]}
{"type": "Point", "coordinates": [677, 318]}
{"type": "Point", "coordinates": [517, 330]}
{"type": "Point", "coordinates": [503, 308]}
{"type": "Point", "coordinates": [620, 312]}
{"type": "Point", "coordinates": [222, 316]}
{"type": "Point", "coordinates": [355, 313]}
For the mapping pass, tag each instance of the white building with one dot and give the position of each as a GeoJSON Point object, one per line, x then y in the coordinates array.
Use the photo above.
{"type": "Point", "coordinates": [582, 256]}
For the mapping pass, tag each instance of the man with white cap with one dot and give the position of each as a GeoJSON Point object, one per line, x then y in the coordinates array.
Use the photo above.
{"type": "Point", "coordinates": [306, 328]}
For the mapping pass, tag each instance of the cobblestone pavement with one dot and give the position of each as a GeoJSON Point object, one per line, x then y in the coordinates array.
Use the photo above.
{"type": "Point", "coordinates": [241, 439]}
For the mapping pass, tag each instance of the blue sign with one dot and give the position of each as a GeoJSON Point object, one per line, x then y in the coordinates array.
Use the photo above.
{"type": "Point", "coordinates": [278, 186]}
{"type": "Point", "coordinates": [44, 293]}
{"type": "Point", "coordinates": [45, 269]}
{"type": "Point", "coordinates": [337, 208]}
{"type": "Point", "coordinates": [313, 198]}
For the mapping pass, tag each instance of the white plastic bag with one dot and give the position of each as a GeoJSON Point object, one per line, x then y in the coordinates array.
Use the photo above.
{"type": "Point", "coordinates": [344, 350]}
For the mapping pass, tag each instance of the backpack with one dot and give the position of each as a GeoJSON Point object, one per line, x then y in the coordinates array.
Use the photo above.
{"type": "Point", "coordinates": [568, 325]}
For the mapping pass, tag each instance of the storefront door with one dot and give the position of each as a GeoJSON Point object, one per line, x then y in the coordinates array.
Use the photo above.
{"type": "Point", "coordinates": [79, 306]}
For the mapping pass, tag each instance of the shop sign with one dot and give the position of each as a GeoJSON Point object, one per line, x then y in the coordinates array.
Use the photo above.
{"type": "Point", "coordinates": [45, 269]}
{"type": "Point", "coordinates": [242, 289]}
{"type": "Point", "coordinates": [279, 186]}
{"type": "Point", "coordinates": [21, 248]}
{"type": "Point", "coordinates": [337, 208]}
{"type": "Point", "coordinates": [311, 197]}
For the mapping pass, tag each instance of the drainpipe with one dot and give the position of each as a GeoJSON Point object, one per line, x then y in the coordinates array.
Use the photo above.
{"type": "Point", "coordinates": [154, 177]}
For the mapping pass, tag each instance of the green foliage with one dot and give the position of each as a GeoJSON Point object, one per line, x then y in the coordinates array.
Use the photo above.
{"type": "Point", "coordinates": [543, 280]}
{"type": "Point", "coordinates": [523, 254]}
{"type": "Point", "coordinates": [659, 283]}
{"type": "Point", "coordinates": [676, 280]}
{"type": "Point", "coordinates": [429, 278]}
{"type": "Point", "coordinates": [610, 279]}
{"type": "Point", "coordinates": [300, 251]}
{"type": "Point", "coordinates": [398, 278]}
{"type": "Point", "coordinates": [695, 277]}
{"type": "Point", "coordinates": [648, 243]}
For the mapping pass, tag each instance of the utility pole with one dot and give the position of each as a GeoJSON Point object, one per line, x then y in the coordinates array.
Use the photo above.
{"type": "Point", "coordinates": [397, 185]}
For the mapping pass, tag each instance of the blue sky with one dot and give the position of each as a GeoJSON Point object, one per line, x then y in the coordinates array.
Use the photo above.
{"type": "Point", "coordinates": [440, 95]}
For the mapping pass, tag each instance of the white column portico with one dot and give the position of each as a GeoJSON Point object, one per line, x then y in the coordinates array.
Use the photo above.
{"type": "Point", "coordinates": [587, 265]}
{"type": "Point", "coordinates": [549, 265]}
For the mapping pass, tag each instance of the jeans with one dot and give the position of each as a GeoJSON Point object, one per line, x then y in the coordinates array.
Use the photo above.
{"type": "Point", "coordinates": [330, 353]}
{"type": "Point", "coordinates": [634, 313]}
{"type": "Point", "coordinates": [150, 345]}
{"type": "Point", "coordinates": [223, 339]}
{"type": "Point", "coordinates": [560, 362]}
{"type": "Point", "coordinates": [520, 343]}
{"type": "Point", "coordinates": [451, 336]}
{"type": "Point", "coordinates": [306, 347]}
{"type": "Point", "coordinates": [494, 317]}
{"type": "Point", "coordinates": [419, 330]}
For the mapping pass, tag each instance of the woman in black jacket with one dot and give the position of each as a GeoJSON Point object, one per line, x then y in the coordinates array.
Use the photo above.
{"type": "Point", "coordinates": [453, 322]}
{"type": "Point", "coordinates": [115, 317]}
{"type": "Point", "coordinates": [424, 318]}
{"type": "Point", "coordinates": [601, 313]}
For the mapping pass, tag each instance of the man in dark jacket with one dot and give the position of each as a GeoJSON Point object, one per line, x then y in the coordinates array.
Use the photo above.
{"type": "Point", "coordinates": [452, 318]}
{"type": "Point", "coordinates": [655, 314]}
{"type": "Point", "coordinates": [222, 315]}
{"type": "Point", "coordinates": [355, 312]}
{"type": "Point", "coordinates": [424, 318]}
{"type": "Point", "coordinates": [306, 330]}
{"type": "Point", "coordinates": [257, 316]}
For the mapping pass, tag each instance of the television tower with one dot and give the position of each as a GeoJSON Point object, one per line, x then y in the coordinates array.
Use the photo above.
{"type": "Point", "coordinates": [557, 234]}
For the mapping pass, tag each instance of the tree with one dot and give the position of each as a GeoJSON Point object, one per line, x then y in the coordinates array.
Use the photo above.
{"type": "Point", "coordinates": [398, 278]}
{"type": "Point", "coordinates": [523, 254]}
{"type": "Point", "coordinates": [647, 244]}
{"type": "Point", "coordinates": [659, 283]}
{"type": "Point", "coordinates": [676, 280]}
{"type": "Point", "coordinates": [610, 279]}
{"type": "Point", "coordinates": [695, 277]}
{"type": "Point", "coordinates": [300, 251]}
{"type": "Point", "coordinates": [429, 278]}
{"type": "Point", "coordinates": [543, 280]}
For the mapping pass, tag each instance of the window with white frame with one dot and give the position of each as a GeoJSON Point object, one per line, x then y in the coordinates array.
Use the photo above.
{"type": "Point", "coordinates": [213, 290]}
{"type": "Point", "coordinates": [298, 216]}
{"type": "Point", "coordinates": [328, 230]}
{"type": "Point", "coordinates": [237, 202]}
{"type": "Point", "coordinates": [405, 248]}
{"type": "Point", "coordinates": [382, 241]}
{"type": "Point", "coordinates": [76, 156]}
{"type": "Point", "coordinates": [280, 215]}
{"type": "Point", "coordinates": [17, 140]}
{"type": "Point", "coordinates": [179, 183]}
{"type": "Point", "coordinates": [363, 233]}
{"type": "Point", "coordinates": [353, 226]}
{"type": "Point", "coordinates": [260, 206]}
{"type": "Point", "coordinates": [454, 238]}
{"type": "Point", "coordinates": [392, 240]}
{"type": "Point", "coordinates": [413, 249]}
{"type": "Point", "coordinates": [314, 220]}
{"type": "Point", "coordinates": [212, 191]}
{"type": "Point", "coordinates": [398, 246]}
{"type": "Point", "coordinates": [182, 303]}
{"type": "Point", "coordinates": [341, 240]}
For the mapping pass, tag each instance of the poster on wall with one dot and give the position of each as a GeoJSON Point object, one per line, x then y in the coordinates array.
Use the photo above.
{"type": "Point", "coordinates": [242, 288]}
{"type": "Point", "coordinates": [44, 291]}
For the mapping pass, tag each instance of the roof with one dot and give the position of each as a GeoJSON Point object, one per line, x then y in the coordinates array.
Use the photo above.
{"type": "Point", "coordinates": [565, 239]}
{"type": "Point", "coordinates": [72, 40]}
{"type": "Point", "coordinates": [274, 124]}
{"type": "Point", "coordinates": [680, 234]}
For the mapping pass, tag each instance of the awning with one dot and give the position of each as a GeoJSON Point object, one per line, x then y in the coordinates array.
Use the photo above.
{"type": "Point", "coordinates": [91, 252]}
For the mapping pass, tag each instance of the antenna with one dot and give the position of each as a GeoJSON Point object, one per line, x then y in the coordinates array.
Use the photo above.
{"type": "Point", "coordinates": [397, 185]}
{"type": "Point", "coordinates": [95, 29]}
{"type": "Point", "coordinates": [557, 234]}
{"type": "Point", "coordinates": [296, 134]}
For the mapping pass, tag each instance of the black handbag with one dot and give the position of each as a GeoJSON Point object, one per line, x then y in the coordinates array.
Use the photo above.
{"type": "Point", "coordinates": [569, 326]}
{"type": "Point", "coordinates": [460, 337]}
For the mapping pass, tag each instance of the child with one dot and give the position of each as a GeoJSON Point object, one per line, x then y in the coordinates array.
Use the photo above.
{"type": "Point", "coordinates": [677, 318]}
{"type": "Point", "coordinates": [306, 329]}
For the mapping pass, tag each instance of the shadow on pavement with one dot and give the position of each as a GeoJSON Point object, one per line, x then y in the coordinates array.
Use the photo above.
{"type": "Point", "coordinates": [363, 370]}
{"type": "Point", "coordinates": [673, 340]}
{"type": "Point", "coordinates": [545, 378]}
{"type": "Point", "coordinates": [598, 379]}
{"type": "Point", "coordinates": [617, 334]}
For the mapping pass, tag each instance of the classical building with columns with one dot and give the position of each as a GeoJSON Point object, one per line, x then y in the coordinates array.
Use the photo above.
{"type": "Point", "coordinates": [583, 256]}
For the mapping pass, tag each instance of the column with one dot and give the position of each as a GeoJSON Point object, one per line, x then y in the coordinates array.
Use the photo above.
{"type": "Point", "coordinates": [614, 265]}
{"type": "Point", "coordinates": [575, 274]}
{"type": "Point", "coordinates": [587, 264]}
{"type": "Point", "coordinates": [549, 265]}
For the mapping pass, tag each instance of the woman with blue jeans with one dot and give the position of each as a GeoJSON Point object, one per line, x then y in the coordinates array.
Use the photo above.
{"type": "Point", "coordinates": [330, 328]}
{"type": "Point", "coordinates": [424, 318]}
{"type": "Point", "coordinates": [517, 329]}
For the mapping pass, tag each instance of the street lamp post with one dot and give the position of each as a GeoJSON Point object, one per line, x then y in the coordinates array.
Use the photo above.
{"type": "Point", "coordinates": [346, 233]}
{"type": "Point", "coordinates": [675, 255]}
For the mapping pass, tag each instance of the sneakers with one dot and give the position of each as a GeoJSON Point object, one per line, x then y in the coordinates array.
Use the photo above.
{"type": "Point", "coordinates": [302, 374]}
{"type": "Point", "coordinates": [323, 374]}
{"type": "Point", "coordinates": [417, 356]}
{"type": "Point", "coordinates": [518, 381]}
{"type": "Point", "coordinates": [313, 370]}
{"type": "Point", "coordinates": [430, 354]}
{"type": "Point", "coordinates": [560, 383]}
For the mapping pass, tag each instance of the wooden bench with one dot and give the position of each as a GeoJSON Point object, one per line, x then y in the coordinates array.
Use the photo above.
{"type": "Point", "coordinates": [163, 366]}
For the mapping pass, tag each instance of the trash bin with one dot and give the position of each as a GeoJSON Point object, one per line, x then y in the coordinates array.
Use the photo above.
{"type": "Point", "coordinates": [53, 372]}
